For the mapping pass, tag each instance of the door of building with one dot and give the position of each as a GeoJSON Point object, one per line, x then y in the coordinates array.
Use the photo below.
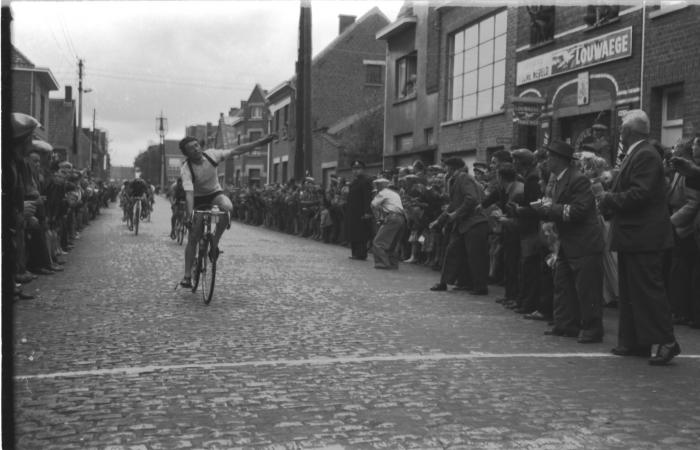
{"type": "Point", "coordinates": [576, 130]}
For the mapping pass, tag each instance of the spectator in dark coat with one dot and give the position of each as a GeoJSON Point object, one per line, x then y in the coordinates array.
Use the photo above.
{"type": "Point", "coordinates": [578, 274]}
{"type": "Point", "coordinates": [641, 234]}
{"type": "Point", "coordinates": [358, 215]}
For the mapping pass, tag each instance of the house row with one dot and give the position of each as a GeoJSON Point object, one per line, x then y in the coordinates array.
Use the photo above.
{"type": "Point", "coordinates": [85, 148]}
{"type": "Point", "coordinates": [446, 79]}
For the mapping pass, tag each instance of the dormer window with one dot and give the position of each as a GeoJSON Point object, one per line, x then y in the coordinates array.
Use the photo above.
{"type": "Point", "coordinates": [256, 112]}
{"type": "Point", "coordinates": [598, 15]}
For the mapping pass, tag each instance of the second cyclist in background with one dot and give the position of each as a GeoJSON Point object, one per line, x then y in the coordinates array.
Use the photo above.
{"type": "Point", "coordinates": [178, 202]}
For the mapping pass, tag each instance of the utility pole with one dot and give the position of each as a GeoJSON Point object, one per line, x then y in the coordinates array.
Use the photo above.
{"type": "Point", "coordinates": [302, 154]}
{"type": "Point", "coordinates": [92, 143]}
{"type": "Point", "coordinates": [80, 107]}
{"type": "Point", "coordinates": [162, 128]}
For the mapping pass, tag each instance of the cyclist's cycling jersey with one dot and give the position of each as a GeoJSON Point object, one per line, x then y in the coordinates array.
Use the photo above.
{"type": "Point", "coordinates": [206, 179]}
{"type": "Point", "coordinates": [177, 193]}
{"type": "Point", "coordinates": [138, 187]}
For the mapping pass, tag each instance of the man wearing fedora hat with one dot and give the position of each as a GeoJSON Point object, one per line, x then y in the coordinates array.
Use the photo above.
{"type": "Point", "coordinates": [358, 214]}
{"type": "Point", "coordinates": [641, 233]}
{"type": "Point", "coordinates": [578, 274]}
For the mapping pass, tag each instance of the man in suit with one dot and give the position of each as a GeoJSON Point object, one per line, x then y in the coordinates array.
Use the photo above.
{"type": "Point", "coordinates": [358, 215]}
{"type": "Point", "coordinates": [469, 231]}
{"type": "Point", "coordinates": [578, 273]}
{"type": "Point", "coordinates": [641, 234]}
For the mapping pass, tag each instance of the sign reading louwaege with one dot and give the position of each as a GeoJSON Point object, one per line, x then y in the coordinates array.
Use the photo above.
{"type": "Point", "coordinates": [601, 49]}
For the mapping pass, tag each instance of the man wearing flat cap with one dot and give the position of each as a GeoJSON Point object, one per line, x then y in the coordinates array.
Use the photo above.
{"type": "Point", "coordinates": [358, 216]}
{"type": "Point", "coordinates": [469, 231]}
{"type": "Point", "coordinates": [578, 274]}
{"type": "Point", "coordinates": [641, 233]}
{"type": "Point", "coordinates": [390, 214]}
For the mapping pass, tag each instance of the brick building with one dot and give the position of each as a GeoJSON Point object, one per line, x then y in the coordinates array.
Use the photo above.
{"type": "Point", "coordinates": [598, 61]}
{"type": "Point", "coordinates": [449, 75]}
{"type": "Point", "coordinates": [248, 123]}
{"type": "Point", "coordinates": [30, 90]}
{"type": "Point", "coordinates": [347, 78]}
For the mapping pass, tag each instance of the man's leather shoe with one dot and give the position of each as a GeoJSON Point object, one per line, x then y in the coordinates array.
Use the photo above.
{"type": "Point", "coordinates": [439, 287]}
{"type": "Point", "coordinates": [626, 351]}
{"type": "Point", "coordinates": [462, 288]}
{"type": "Point", "coordinates": [584, 338]}
{"type": "Point", "coordinates": [56, 268]}
{"type": "Point", "coordinates": [558, 332]}
{"type": "Point", "coordinates": [479, 292]}
{"type": "Point", "coordinates": [23, 278]}
{"type": "Point", "coordinates": [22, 296]}
{"type": "Point", "coordinates": [535, 315]}
{"type": "Point", "coordinates": [44, 271]}
{"type": "Point", "coordinates": [665, 354]}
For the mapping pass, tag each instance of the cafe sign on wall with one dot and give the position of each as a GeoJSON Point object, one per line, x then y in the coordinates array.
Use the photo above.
{"type": "Point", "coordinates": [598, 50]}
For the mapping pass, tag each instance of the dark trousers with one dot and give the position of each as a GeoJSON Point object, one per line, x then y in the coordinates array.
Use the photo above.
{"type": "Point", "coordinates": [645, 313]}
{"type": "Point", "coordinates": [530, 260]}
{"type": "Point", "coordinates": [546, 300]}
{"type": "Point", "coordinates": [578, 294]}
{"type": "Point", "coordinates": [471, 247]}
{"type": "Point", "coordinates": [359, 249]}
{"type": "Point", "coordinates": [511, 265]}
{"type": "Point", "coordinates": [684, 283]}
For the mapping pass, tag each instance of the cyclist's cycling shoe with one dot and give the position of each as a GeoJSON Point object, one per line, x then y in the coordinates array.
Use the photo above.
{"type": "Point", "coordinates": [186, 283]}
{"type": "Point", "coordinates": [214, 253]}
{"type": "Point", "coordinates": [172, 235]}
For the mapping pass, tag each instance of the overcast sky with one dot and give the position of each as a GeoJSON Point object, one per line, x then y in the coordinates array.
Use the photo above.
{"type": "Point", "coordinates": [190, 59]}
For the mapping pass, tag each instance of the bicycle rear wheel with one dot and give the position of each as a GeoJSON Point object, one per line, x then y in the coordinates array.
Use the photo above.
{"type": "Point", "coordinates": [180, 230]}
{"type": "Point", "coordinates": [137, 217]}
{"type": "Point", "coordinates": [208, 274]}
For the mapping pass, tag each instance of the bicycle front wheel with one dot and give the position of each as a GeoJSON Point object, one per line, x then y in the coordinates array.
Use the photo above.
{"type": "Point", "coordinates": [137, 217]}
{"type": "Point", "coordinates": [208, 274]}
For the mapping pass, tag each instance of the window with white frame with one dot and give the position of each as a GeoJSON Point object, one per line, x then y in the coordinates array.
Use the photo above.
{"type": "Point", "coordinates": [406, 76]}
{"type": "Point", "coordinates": [671, 115]}
{"type": "Point", "coordinates": [477, 69]}
{"type": "Point", "coordinates": [256, 112]}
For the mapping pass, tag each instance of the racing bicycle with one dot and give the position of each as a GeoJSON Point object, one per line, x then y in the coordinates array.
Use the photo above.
{"type": "Point", "coordinates": [204, 266]}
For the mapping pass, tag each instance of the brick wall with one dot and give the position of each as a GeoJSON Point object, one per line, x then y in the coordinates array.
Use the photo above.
{"type": "Point", "coordinates": [478, 136]}
{"type": "Point", "coordinates": [672, 57]}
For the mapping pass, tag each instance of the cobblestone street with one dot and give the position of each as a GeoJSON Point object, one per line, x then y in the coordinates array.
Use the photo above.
{"type": "Point", "coordinates": [303, 348]}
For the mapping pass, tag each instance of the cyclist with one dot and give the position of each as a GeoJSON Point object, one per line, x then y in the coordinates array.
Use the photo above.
{"type": "Point", "coordinates": [177, 197]}
{"type": "Point", "coordinates": [201, 183]}
{"type": "Point", "coordinates": [138, 189]}
{"type": "Point", "coordinates": [124, 199]}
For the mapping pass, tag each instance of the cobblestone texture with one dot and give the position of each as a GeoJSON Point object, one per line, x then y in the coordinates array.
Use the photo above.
{"type": "Point", "coordinates": [280, 297]}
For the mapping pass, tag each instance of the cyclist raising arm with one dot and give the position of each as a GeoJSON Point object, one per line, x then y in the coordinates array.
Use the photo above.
{"type": "Point", "coordinates": [202, 189]}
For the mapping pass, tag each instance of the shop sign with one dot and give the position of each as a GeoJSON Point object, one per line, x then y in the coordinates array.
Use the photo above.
{"type": "Point", "coordinates": [598, 50]}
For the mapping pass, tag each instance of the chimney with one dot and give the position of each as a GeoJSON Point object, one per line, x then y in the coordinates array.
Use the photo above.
{"type": "Point", "coordinates": [244, 103]}
{"type": "Point", "coordinates": [345, 22]}
{"type": "Point", "coordinates": [69, 94]}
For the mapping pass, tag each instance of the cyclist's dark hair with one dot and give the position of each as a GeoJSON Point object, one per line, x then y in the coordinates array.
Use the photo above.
{"type": "Point", "coordinates": [186, 140]}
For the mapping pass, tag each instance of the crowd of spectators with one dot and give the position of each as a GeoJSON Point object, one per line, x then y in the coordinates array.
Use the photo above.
{"type": "Point", "coordinates": [50, 202]}
{"type": "Point", "coordinates": [553, 223]}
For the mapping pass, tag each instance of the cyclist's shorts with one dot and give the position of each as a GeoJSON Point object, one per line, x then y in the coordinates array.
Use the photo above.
{"type": "Point", "coordinates": [206, 200]}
